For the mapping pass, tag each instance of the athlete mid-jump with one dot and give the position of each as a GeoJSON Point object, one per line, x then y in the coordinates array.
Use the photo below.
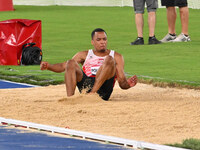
{"type": "Point", "coordinates": [100, 68]}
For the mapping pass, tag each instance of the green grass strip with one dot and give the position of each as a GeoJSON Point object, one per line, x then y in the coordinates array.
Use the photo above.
{"type": "Point", "coordinates": [193, 144]}
{"type": "Point", "coordinates": [66, 30]}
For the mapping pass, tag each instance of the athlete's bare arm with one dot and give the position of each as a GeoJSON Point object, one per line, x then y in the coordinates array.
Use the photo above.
{"type": "Point", "coordinates": [60, 67]}
{"type": "Point", "coordinates": [80, 57]}
{"type": "Point", "coordinates": [124, 83]}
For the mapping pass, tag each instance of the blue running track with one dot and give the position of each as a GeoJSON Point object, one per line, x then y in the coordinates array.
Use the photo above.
{"type": "Point", "coordinates": [8, 85]}
{"type": "Point", "coordinates": [15, 139]}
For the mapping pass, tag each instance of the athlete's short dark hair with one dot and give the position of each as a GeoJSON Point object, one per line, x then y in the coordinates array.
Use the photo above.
{"type": "Point", "coordinates": [97, 30]}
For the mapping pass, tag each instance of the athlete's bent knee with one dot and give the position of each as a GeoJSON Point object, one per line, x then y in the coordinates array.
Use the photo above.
{"type": "Point", "coordinates": [109, 61]}
{"type": "Point", "coordinates": [70, 64]}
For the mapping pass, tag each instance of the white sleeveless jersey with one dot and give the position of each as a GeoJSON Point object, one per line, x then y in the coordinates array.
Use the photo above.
{"type": "Point", "coordinates": [93, 62]}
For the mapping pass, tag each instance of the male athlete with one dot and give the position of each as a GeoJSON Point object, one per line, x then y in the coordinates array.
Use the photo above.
{"type": "Point", "coordinates": [101, 67]}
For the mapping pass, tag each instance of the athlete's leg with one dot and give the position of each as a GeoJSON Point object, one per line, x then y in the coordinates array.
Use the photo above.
{"type": "Point", "coordinates": [105, 72]}
{"type": "Point", "coordinates": [171, 19]}
{"type": "Point", "coordinates": [73, 74]}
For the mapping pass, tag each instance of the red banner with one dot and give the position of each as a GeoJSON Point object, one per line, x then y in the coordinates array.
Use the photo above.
{"type": "Point", "coordinates": [14, 34]}
{"type": "Point", "coordinates": [6, 5]}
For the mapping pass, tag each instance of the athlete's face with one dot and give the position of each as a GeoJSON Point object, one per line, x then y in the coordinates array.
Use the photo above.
{"type": "Point", "coordinates": [99, 41]}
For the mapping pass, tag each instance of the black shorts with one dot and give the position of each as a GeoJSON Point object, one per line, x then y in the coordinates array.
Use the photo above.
{"type": "Point", "coordinates": [105, 90]}
{"type": "Point", "coordinates": [179, 3]}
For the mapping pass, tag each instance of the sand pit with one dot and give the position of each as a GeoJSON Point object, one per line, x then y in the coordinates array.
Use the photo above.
{"type": "Point", "coordinates": [143, 113]}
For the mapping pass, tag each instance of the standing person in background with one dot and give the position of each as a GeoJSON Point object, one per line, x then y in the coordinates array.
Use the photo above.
{"type": "Point", "coordinates": [171, 19]}
{"type": "Point", "coordinates": [152, 6]}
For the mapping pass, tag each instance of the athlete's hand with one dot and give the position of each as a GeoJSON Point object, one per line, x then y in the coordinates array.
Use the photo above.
{"type": "Point", "coordinates": [44, 65]}
{"type": "Point", "coordinates": [132, 81]}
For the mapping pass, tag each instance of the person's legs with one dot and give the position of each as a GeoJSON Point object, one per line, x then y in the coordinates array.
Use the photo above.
{"type": "Point", "coordinates": [139, 11]}
{"type": "Point", "coordinates": [152, 6]}
{"type": "Point", "coordinates": [105, 72]}
{"type": "Point", "coordinates": [171, 19]}
{"type": "Point", "coordinates": [184, 15]}
{"type": "Point", "coordinates": [139, 21]}
{"type": "Point", "coordinates": [73, 74]}
{"type": "Point", "coordinates": [151, 23]}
